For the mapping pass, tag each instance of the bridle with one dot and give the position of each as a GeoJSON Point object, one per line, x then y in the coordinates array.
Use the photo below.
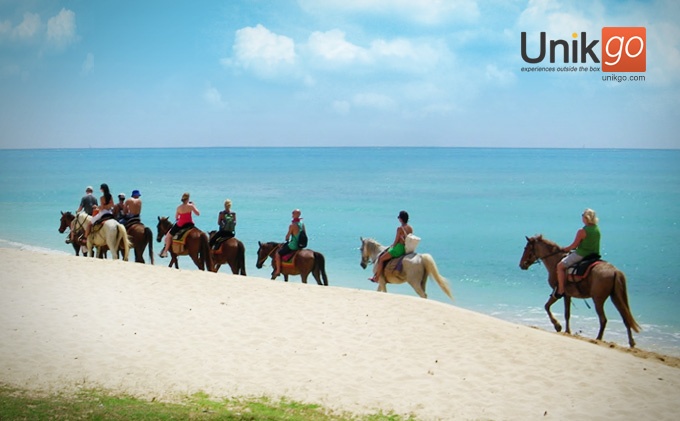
{"type": "Point", "coordinates": [264, 259]}
{"type": "Point", "coordinates": [535, 256]}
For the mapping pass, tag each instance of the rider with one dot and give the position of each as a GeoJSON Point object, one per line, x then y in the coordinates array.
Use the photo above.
{"type": "Point", "coordinates": [87, 202]}
{"type": "Point", "coordinates": [587, 242]}
{"type": "Point", "coordinates": [133, 207]}
{"type": "Point", "coordinates": [184, 220]}
{"type": "Point", "coordinates": [291, 243]}
{"type": "Point", "coordinates": [105, 208]}
{"type": "Point", "coordinates": [119, 208]}
{"type": "Point", "coordinates": [398, 247]}
{"type": "Point", "coordinates": [226, 220]}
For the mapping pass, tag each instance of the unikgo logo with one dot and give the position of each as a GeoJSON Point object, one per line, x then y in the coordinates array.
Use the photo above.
{"type": "Point", "coordinates": [624, 49]}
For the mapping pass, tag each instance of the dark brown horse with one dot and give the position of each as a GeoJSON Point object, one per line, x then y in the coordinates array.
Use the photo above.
{"type": "Point", "coordinates": [306, 261]}
{"type": "Point", "coordinates": [140, 236]}
{"type": "Point", "coordinates": [196, 245]}
{"type": "Point", "coordinates": [65, 222]}
{"type": "Point", "coordinates": [232, 252]}
{"type": "Point", "coordinates": [603, 281]}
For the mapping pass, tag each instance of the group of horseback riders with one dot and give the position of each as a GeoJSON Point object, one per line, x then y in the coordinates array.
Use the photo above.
{"type": "Point", "coordinates": [124, 211]}
{"type": "Point", "coordinates": [586, 243]}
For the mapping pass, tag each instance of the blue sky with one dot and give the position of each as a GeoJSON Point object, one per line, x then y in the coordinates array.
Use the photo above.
{"type": "Point", "coordinates": [326, 73]}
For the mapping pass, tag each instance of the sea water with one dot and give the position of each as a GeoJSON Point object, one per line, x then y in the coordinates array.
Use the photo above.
{"type": "Point", "coordinates": [471, 207]}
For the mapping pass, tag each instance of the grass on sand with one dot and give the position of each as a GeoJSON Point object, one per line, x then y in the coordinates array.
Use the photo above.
{"type": "Point", "coordinates": [90, 404]}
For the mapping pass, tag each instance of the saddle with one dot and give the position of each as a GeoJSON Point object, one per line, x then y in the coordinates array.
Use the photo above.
{"type": "Point", "coordinates": [132, 221]}
{"type": "Point", "coordinates": [103, 219]}
{"type": "Point", "coordinates": [396, 266]}
{"type": "Point", "coordinates": [179, 239]}
{"type": "Point", "coordinates": [582, 269]}
{"type": "Point", "coordinates": [289, 259]}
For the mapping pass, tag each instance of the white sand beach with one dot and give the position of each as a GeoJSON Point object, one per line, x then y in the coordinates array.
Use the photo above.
{"type": "Point", "coordinates": [155, 332]}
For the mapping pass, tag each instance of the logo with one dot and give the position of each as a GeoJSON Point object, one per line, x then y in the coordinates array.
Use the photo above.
{"type": "Point", "coordinates": [624, 49]}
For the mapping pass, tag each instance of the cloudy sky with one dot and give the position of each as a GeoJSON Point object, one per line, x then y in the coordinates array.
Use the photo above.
{"type": "Point", "coordinates": [327, 73]}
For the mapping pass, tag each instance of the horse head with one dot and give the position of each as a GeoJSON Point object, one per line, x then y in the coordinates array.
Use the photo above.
{"type": "Point", "coordinates": [529, 256]}
{"type": "Point", "coordinates": [163, 227]}
{"type": "Point", "coordinates": [370, 249]}
{"type": "Point", "coordinates": [365, 256]}
{"type": "Point", "coordinates": [266, 250]}
{"type": "Point", "coordinates": [65, 221]}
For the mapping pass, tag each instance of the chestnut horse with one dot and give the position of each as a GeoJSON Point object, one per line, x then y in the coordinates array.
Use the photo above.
{"type": "Point", "coordinates": [416, 269]}
{"type": "Point", "coordinates": [603, 281]}
{"type": "Point", "coordinates": [66, 221]}
{"type": "Point", "coordinates": [196, 245]}
{"type": "Point", "coordinates": [231, 251]}
{"type": "Point", "coordinates": [140, 236]}
{"type": "Point", "coordinates": [306, 261]}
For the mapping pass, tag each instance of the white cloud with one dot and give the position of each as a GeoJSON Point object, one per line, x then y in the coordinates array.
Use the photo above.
{"type": "Point", "coordinates": [28, 28]}
{"type": "Point", "coordinates": [557, 19]}
{"type": "Point", "coordinates": [262, 51]}
{"type": "Point", "coordinates": [61, 29]}
{"type": "Point", "coordinates": [498, 76]}
{"type": "Point", "coordinates": [333, 47]}
{"type": "Point", "coordinates": [88, 64]}
{"type": "Point", "coordinates": [341, 107]}
{"type": "Point", "coordinates": [213, 97]}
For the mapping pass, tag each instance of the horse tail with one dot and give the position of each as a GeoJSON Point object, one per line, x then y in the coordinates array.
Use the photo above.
{"type": "Point", "coordinates": [621, 300]}
{"type": "Point", "coordinates": [122, 236]}
{"type": "Point", "coordinates": [148, 239]}
{"type": "Point", "coordinates": [431, 270]}
{"type": "Point", "coordinates": [320, 265]}
{"type": "Point", "coordinates": [205, 252]}
{"type": "Point", "coordinates": [241, 258]}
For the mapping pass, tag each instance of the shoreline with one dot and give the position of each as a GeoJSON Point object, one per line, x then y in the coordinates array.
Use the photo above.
{"type": "Point", "coordinates": [155, 332]}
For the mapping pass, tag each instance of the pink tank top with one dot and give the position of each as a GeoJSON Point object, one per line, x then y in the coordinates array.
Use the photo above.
{"type": "Point", "coordinates": [184, 218]}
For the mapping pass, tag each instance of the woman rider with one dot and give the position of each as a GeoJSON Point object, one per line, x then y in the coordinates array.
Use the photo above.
{"type": "Point", "coordinates": [183, 218]}
{"type": "Point", "coordinates": [398, 247]}
{"type": "Point", "coordinates": [587, 242]}
{"type": "Point", "coordinates": [226, 220]}
{"type": "Point", "coordinates": [291, 241]}
{"type": "Point", "coordinates": [105, 208]}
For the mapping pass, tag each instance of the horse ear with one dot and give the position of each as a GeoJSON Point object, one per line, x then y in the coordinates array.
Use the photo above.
{"type": "Point", "coordinates": [62, 212]}
{"type": "Point", "coordinates": [159, 219]}
{"type": "Point", "coordinates": [527, 238]}
{"type": "Point", "coordinates": [362, 239]}
{"type": "Point", "coordinates": [259, 243]}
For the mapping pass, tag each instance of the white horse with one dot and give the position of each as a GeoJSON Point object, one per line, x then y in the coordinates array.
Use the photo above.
{"type": "Point", "coordinates": [111, 234]}
{"type": "Point", "coordinates": [415, 269]}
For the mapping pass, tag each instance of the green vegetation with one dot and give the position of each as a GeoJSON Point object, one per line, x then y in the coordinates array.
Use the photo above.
{"type": "Point", "coordinates": [89, 404]}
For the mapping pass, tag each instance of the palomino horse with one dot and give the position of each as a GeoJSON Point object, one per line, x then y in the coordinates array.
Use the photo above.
{"type": "Point", "coordinates": [140, 236]}
{"type": "Point", "coordinates": [306, 261]}
{"type": "Point", "coordinates": [415, 269]}
{"type": "Point", "coordinates": [231, 251]}
{"type": "Point", "coordinates": [195, 245]}
{"type": "Point", "coordinates": [66, 221]}
{"type": "Point", "coordinates": [604, 280]}
{"type": "Point", "coordinates": [110, 233]}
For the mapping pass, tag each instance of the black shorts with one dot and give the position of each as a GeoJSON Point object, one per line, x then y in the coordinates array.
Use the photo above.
{"type": "Point", "coordinates": [175, 228]}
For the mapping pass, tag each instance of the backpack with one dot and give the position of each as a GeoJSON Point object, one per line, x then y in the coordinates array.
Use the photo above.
{"type": "Point", "coordinates": [302, 238]}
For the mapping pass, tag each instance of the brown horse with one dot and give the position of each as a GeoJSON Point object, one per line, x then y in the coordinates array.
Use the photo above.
{"type": "Point", "coordinates": [66, 220]}
{"type": "Point", "coordinates": [196, 245]}
{"type": "Point", "coordinates": [231, 251]}
{"type": "Point", "coordinates": [603, 281]}
{"type": "Point", "coordinates": [306, 261]}
{"type": "Point", "coordinates": [140, 236]}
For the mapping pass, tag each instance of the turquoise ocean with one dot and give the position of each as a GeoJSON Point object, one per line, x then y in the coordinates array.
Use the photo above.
{"type": "Point", "coordinates": [471, 207]}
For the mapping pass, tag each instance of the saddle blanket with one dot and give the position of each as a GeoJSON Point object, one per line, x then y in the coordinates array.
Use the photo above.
{"type": "Point", "coordinates": [582, 269]}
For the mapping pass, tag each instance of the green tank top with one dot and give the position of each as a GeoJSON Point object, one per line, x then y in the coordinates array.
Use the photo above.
{"type": "Point", "coordinates": [590, 244]}
{"type": "Point", "coordinates": [293, 242]}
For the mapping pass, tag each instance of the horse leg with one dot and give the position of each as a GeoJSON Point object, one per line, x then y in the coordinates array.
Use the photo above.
{"type": "Point", "coordinates": [303, 276]}
{"type": "Point", "coordinates": [599, 308]}
{"type": "Point", "coordinates": [417, 288]}
{"type": "Point", "coordinates": [553, 320]}
{"type": "Point", "coordinates": [567, 313]}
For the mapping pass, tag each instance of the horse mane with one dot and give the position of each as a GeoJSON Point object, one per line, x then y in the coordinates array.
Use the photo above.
{"type": "Point", "coordinates": [539, 237]}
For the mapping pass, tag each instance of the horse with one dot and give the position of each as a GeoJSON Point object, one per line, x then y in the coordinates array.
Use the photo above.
{"type": "Point", "coordinates": [306, 261]}
{"type": "Point", "coordinates": [140, 236]}
{"type": "Point", "coordinates": [417, 267]}
{"type": "Point", "coordinates": [231, 251]}
{"type": "Point", "coordinates": [110, 234]}
{"type": "Point", "coordinates": [195, 245]}
{"type": "Point", "coordinates": [65, 221]}
{"type": "Point", "coordinates": [603, 281]}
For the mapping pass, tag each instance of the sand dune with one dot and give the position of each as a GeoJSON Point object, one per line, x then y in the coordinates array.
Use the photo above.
{"type": "Point", "coordinates": [68, 322]}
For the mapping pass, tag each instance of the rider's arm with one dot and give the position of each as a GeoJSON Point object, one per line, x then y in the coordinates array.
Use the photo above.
{"type": "Point", "coordinates": [194, 209]}
{"type": "Point", "coordinates": [580, 235]}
